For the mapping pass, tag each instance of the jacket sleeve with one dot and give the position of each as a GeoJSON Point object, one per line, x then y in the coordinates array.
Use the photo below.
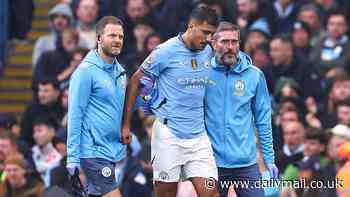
{"type": "Point", "coordinates": [262, 117]}
{"type": "Point", "coordinates": [79, 94]}
{"type": "Point", "coordinates": [153, 65]}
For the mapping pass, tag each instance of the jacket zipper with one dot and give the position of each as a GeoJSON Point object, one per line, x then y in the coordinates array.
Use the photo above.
{"type": "Point", "coordinates": [225, 92]}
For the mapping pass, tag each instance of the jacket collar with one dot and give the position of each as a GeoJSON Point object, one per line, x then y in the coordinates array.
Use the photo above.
{"type": "Point", "coordinates": [94, 58]}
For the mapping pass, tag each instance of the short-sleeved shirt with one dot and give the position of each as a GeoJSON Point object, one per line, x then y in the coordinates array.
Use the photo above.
{"type": "Point", "coordinates": [181, 75]}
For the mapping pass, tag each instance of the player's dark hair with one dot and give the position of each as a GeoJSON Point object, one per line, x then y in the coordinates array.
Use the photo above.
{"type": "Point", "coordinates": [204, 14]}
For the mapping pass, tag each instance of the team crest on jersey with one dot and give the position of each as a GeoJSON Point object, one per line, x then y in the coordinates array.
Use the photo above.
{"type": "Point", "coordinates": [239, 88]}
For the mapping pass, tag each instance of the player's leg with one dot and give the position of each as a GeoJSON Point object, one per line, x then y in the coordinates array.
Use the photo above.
{"type": "Point", "coordinates": [114, 193]}
{"type": "Point", "coordinates": [186, 189]}
{"type": "Point", "coordinates": [205, 187]}
{"type": "Point", "coordinates": [201, 169]}
{"type": "Point", "coordinates": [166, 160]}
{"type": "Point", "coordinates": [165, 189]}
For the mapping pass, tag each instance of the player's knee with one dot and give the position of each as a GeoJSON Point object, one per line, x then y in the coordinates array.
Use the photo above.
{"type": "Point", "coordinates": [113, 193]}
{"type": "Point", "coordinates": [165, 187]}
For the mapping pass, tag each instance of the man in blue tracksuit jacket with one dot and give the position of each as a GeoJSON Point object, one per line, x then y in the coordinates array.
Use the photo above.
{"type": "Point", "coordinates": [96, 101]}
{"type": "Point", "coordinates": [237, 104]}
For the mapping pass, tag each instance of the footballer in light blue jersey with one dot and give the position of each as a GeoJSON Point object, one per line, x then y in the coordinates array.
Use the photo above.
{"type": "Point", "coordinates": [180, 147]}
{"type": "Point", "coordinates": [181, 75]}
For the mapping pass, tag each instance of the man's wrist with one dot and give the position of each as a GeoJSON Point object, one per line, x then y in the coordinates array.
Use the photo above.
{"type": "Point", "coordinates": [73, 165]}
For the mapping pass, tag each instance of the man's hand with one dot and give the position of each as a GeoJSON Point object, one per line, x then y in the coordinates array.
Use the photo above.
{"type": "Point", "coordinates": [125, 135]}
{"type": "Point", "coordinates": [77, 186]}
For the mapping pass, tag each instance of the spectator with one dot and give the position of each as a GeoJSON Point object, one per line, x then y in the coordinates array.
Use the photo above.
{"type": "Point", "coordinates": [310, 14]}
{"type": "Point", "coordinates": [340, 134]}
{"type": "Point", "coordinates": [133, 60]}
{"type": "Point", "coordinates": [9, 122]}
{"type": "Point", "coordinates": [136, 10]}
{"type": "Point", "coordinates": [249, 15]}
{"type": "Point", "coordinates": [257, 34]}
{"type": "Point", "coordinates": [52, 63]}
{"type": "Point", "coordinates": [141, 31]}
{"type": "Point", "coordinates": [310, 170]}
{"type": "Point", "coordinates": [314, 146]}
{"type": "Point", "coordinates": [150, 43]}
{"type": "Point", "coordinates": [86, 21]}
{"type": "Point", "coordinates": [20, 15]}
{"type": "Point", "coordinates": [260, 55]}
{"type": "Point", "coordinates": [338, 91]}
{"type": "Point", "coordinates": [287, 88]}
{"type": "Point", "coordinates": [285, 12]}
{"type": "Point", "coordinates": [293, 148]}
{"type": "Point", "coordinates": [7, 147]}
{"type": "Point", "coordinates": [60, 19]}
{"type": "Point", "coordinates": [215, 5]}
{"type": "Point", "coordinates": [47, 102]}
{"type": "Point", "coordinates": [328, 5]}
{"type": "Point", "coordinates": [301, 39]}
{"type": "Point", "coordinates": [290, 104]}
{"type": "Point", "coordinates": [343, 112]}
{"type": "Point", "coordinates": [75, 59]}
{"type": "Point", "coordinates": [343, 173]}
{"type": "Point", "coordinates": [288, 111]}
{"type": "Point", "coordinates": [286, 63]}
{"type": "Point", "coordinates": [10, 145]}
{"type": "Point", "coordinates": [334, 50]}
{"type": "Point", "coordinates": [169, 10]}
{"type": "Point", "coordinates": [20, 182]}
{"type": "Point", "coordinates": [45, 156]}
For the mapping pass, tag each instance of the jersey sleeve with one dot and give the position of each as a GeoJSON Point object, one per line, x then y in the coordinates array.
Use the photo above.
{"type": "Point", "coordinates": [155, 63]}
